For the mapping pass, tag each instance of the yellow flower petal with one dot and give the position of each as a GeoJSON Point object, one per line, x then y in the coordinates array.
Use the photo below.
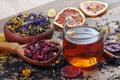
{"type": "Point", "coordinates": [25, 15]}
{"type": "Point", "coordinates": [2, 38]}
{"type": "Point", "coordinates": [26, 72]}
{"type": "Point", "coordinates": [118, 35]}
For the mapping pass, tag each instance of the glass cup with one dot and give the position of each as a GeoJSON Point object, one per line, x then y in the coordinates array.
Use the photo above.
{"type": "Point", "coordinates": [83, 45]}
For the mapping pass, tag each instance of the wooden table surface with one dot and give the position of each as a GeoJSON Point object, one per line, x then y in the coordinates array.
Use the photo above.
{"type": "Point", "coordinates": [112, 14]}
{"type": "Point", "coordinates": [12, 7]}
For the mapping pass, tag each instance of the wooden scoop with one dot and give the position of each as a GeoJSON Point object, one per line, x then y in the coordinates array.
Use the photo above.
{"type": "Point", "coordinates": [15, 48]}
{"type": "Point", "coordinates": [110, 55]}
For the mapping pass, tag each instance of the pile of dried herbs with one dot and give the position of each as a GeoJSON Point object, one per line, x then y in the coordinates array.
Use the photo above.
{"type": "Point", "coordinates": [28, 24]}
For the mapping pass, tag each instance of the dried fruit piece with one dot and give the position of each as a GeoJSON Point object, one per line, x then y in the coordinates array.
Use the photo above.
{"type": "Point", "coordinates": [70, 71]}
{"type": "Point", "coordinates": [51, 13]}
{"type": "Point", "coordinates": [41, 50]}
{"type": "Point", "coordinates": [112, 47]}
{"type": "Point", "coordinates": [93, 8]}
{"type": "Point", "coordinates": [75, 16]}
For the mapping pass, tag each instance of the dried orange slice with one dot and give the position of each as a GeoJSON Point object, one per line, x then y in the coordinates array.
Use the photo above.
{"type": "Point", "coordinates": [93, 8]}
{"type": "Point", "coordinates": [70, 71]}
{"type": "Point", "coordinates": [112, 47]}
{"type": "Point", "coordinates": [75, 15]}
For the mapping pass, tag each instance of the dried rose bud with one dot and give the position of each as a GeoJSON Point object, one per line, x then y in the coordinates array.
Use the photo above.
{"type": "Point", "coordinates": [41, 50]}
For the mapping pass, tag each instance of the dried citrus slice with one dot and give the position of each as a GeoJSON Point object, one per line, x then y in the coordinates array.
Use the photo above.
{"type": "Point", "coordinates": [93, 8]}
{"type": "Point", "coordinates": [51, 13]}
{"type": "Point", "coordinates": [112, 47]}
{"type": "Point", "coordinates": [75, 16]}
{"type": "Point", "coordinates": [70, 71]}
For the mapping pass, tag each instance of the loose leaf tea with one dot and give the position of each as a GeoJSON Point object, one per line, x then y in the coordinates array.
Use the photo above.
{"type": "Point", "coordinates": [28, 24]}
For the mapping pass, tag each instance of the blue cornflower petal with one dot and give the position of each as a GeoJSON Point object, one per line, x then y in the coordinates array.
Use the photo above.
{"type": "Point", "coordinates": [43, 19]}
{"type": "Point", "coordinates": [31, 16]}
{"type": "Point", "coordinates": [25, 27]}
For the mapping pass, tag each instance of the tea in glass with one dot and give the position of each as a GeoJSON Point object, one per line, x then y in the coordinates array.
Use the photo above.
{"type": "Point", "coordinates": [83, 46]}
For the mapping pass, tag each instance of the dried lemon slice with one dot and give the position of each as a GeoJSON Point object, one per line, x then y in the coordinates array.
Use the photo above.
{"type": "Point", "coordinates": [51, 13]}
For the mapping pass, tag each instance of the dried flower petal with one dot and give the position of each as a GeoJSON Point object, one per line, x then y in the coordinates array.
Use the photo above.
{"type": "Point", "coordinates": [118, 35]}
{"type": "Point", "coordinates": [2, 38]}
{"type": "Point", "coordinates": [28, 24]}
{"type": "Point", "coordinates": [26, 72]}
{"type": "Point", "coordinates": [3, 57]}
{"type": "Point", "coordinates": [41, 50]}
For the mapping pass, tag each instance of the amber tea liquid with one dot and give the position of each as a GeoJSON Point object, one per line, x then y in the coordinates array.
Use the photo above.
{"type": "Point", "coordinates": [83, 46]}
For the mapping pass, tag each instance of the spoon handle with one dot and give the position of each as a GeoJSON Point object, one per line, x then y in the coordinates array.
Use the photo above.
{"type": "Point", "coordinates": [9, 47]}
{"type": "Point", "coordinates": [110, 55]}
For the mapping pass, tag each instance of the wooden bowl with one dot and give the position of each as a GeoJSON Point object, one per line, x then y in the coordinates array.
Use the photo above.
{"type": "Point", "coordinates": [12, 37]}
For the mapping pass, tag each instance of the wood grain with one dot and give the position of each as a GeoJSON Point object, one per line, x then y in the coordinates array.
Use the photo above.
{"type": "Point", "coordinates": [11, 7]}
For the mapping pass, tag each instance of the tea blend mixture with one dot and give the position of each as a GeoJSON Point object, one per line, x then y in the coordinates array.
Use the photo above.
{"type": "Point", "coordinates": [14, 68]}
{"type": "Point", "coordinates": [28, 24]}
{"type": "Point", "coordinates": [41, 50]}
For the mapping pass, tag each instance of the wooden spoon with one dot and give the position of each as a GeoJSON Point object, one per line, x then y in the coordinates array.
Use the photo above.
{"type": "Point", "coordinates": [15, 48]}
{"type": "Point", "coordinates": [110, 55]}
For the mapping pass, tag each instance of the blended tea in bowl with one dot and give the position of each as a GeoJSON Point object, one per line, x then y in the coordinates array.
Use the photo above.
{"type": "Point", "coordinates": [25, 27]}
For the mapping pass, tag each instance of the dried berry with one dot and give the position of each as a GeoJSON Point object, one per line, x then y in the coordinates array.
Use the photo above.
{"type": "Point", "coordinates": [41, 50]}
{"type": "Point", "coordinates": [112, 47]}
{"type": "Point", "coordinates": [70, 71]}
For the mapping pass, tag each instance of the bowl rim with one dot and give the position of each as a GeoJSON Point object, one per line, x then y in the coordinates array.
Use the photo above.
{"type": "Point", "coordinates": [13, 37]}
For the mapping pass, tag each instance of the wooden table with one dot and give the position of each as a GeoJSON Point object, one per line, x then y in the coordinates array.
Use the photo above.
{"type": "Point", "coordinates": [113, 14]}
{"type": "Point", "coordinates": [12, 7]}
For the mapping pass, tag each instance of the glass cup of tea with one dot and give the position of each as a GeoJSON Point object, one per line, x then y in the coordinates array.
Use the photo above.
{"type": "Point", "coordinates": [83, 45]}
